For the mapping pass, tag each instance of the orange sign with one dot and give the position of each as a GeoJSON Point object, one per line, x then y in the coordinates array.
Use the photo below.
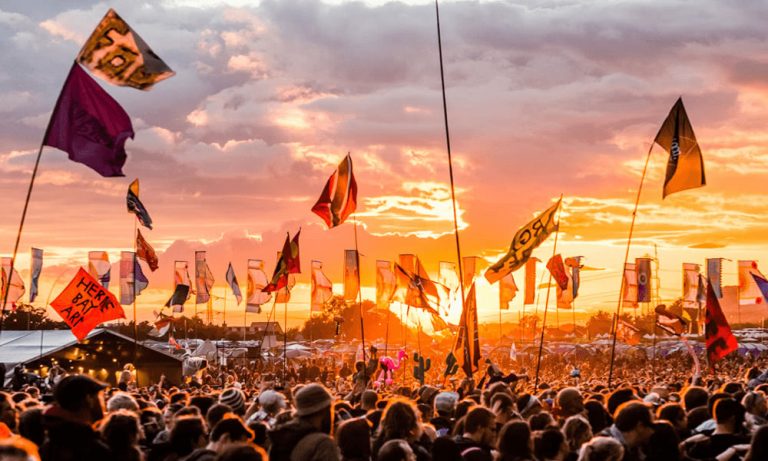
{"type": "Point", "coordinates": [85, 303]}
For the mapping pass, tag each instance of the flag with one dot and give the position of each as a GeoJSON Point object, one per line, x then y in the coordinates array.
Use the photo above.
{"type": "Point", "coordinates": [99, 267]}
{"type": "Point", "coordinates": [85, 303]}
{"type": "Point", "coordinates": [513, 352]}
{"type": "Point", "coordinates": [448, 277]}
{"type": "Point", "coordinates": [471, 266]}
{"type": "Point", "coordinates": [690, 284]}
{"type": "Point", "coordinates": [530, 280]}
{"type": "Point", "coordinates": [178, 298]}
{"type": "Point", "coordinates": [467, 348]}
{"type": "Point", "coordinates": [749, 293]}
{"type": "Point", "coordinates": [351, 275]}
{"type": "Point", "coordinates": [557, 269]}
{"type": "Point", "coordinates": [525, 241]}
{"type": "Point", "coordinates": [132, 278]}
{"type": "Point", "coordinates": [385, 284]}
{"type": "Point", "coordinates": [117, 54]}
{"type": "Point", "coordinates": [89, 125]}
{"type": "Point", "coordinates": [685, 167]}
{"type": "Point", "coordinates": [145, 251]}
{"type": "Point", "coordinates": [574, 262]}
{"type": "Point", "coordinates": [629, 286]}
{"type": "Point", "coordinates": [762, 285]}
{"type": "Point", "coordinates": [287, 263]}
{"type": "Point", "coordinates": [720, 339]}
{"type": "Point", "coordinates": [714, 275]}
{"type": "Point", "coordinates": [283, 295]}
{"type": "Point", "coordinates": [181, 273]}
{"type": "Point", "coordinates": [322, 288]}
{"type": "Point", "coordinates": [34, 273]}
{"type": "Point", "coordinates": [417, 291]}
{"type": "Point", "coordinates": [13, 283]}
{"type": "Point", "coordinates": [339, 197]}
{"type": "Point", "coordinates": [161, 326]}
{"type": "Point", "coordinates": [257, 280]}
{"type": "Point", "coordinates": [203, 279]}
{"type": "Point", "coordinates": [670, 322]}
{"type": "Point", "coordinates": [643, 266]}
{"type": "Point", "coordinates": [627, 333]}
{"type": "Point", "coordinates": [172, 342]}
{"type": "Point", "coordinates": [701, 290]}
{"type": "Point", "coordinates": [507, 291]}
{"type": "Point", "coordinates": [136, 207]}
{"type": "Point", "coordinates": [232, 281]}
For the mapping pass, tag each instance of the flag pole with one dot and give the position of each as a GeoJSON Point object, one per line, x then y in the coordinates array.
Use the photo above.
{"type": "Point", "coordinates": [285, 340]}
{"type": "Point", "coordinates": [626, 258]}
{"type": "Point", "coordinates": [546, 302]}
{"type": "Point", "coordinates": [7, 286]}
{"type": "Point", "coordinates": [359, 290]}
{"type": "Point", "coordinates": [135, 325]}
{"type": "Point", "coordinates": [448, 149]}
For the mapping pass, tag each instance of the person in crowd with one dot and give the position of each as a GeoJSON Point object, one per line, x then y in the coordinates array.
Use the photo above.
{"type": "Point", "coordinates": [477, 440]}
{"type": "Point", "coordinates": [396, 450]}
{"type": "Point", "coordinates": [121, 432]}
{"type": "Point", "coordinates": [227, 432]}
{"type": "Point", "coordinates": [632, 427]}
{"type": "Point", "coordinates": [602, 449]}
{"type": "Point", "coordinates": [354, 439]}
{"type": "Point", "coordinates": [514, 442]}
{"type": "Point", "coordinates": [577, 432]}
{"type": "Point", "coordinates": [401, 421]}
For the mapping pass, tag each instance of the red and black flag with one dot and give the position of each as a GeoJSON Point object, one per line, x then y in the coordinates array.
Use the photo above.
{"type": "Point", "coordinates": [467, 348]}
{"type": "Point", "coordinates": [685, 167]}
{"type": "Point", "coordinates": [287, 263]}
{"type": "Point", "coordinates": [417, 291]}
{"type": "Point", "coordinates": [145, 251]}
{"type": "Point", "coordinates": [720, 339]}
{"type": "Point", "coordinates": [339, 197]}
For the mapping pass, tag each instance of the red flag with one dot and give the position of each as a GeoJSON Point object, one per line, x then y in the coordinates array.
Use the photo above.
{"type": "Point", "coordinates": [557, 269]}
{"type": "Point", "coordinates": [89, 125]}
{"type": "Point", "coordinates": [720, 339]}
{"type": "Point", "coordinates": [339, 197]}
{"type": "Point", "coordinates": [530, 280]}
{"type": "Point", "coordinates": [145, 251]}
{"type": "Point", "coordinates": [287, 263]}
{"type": "Point", "coordinates": [84, 304]}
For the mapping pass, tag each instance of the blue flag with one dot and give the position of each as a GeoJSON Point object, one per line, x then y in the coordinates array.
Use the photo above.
{"type": "Point", "coordinates": [37, 267]}
{"type": "Point", "coordinates": [762, 284]}
{"type": "Point", "coordinates": [232, 281]}
{"type": "Point", "coordinates": [136, 207]}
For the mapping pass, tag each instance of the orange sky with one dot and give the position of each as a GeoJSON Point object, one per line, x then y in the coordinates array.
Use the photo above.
{"type": "Point", "coordinates": [233, 151]}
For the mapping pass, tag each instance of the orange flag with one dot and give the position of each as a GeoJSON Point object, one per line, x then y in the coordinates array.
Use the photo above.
{"type": "Point", "coordinates": [85, 303]}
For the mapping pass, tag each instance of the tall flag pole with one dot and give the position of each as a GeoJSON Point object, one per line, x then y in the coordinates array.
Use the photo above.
{"type": "Point", "coordinates": [685, 170]}
{"type": "Point", "coordinates": [546, 302]}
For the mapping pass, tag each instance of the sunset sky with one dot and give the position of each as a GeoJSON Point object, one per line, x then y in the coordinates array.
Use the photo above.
{"type": "Point", "coordinates": [544, 97]}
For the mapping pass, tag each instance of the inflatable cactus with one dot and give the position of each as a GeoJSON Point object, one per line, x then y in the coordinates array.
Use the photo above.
{"type": "Point", "coordinates": [421, 368]}
{"type": "Point", "coordinates": [451, 365]}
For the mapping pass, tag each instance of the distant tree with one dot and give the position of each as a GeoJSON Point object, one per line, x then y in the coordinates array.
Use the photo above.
{"type": "Point", "coordinates": [28, 317]}
{"type": "Point", "coordinates": [599, 323]}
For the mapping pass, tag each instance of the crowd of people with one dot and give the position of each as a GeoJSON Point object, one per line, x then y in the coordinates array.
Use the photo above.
{"type": "Point", "coordinates": [326, 411]}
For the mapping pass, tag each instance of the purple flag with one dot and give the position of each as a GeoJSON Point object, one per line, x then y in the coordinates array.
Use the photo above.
{"type": "Point", "coordinates": [89, 125]}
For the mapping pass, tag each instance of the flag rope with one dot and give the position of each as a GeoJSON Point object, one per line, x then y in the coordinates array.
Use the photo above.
{"type": "Point", "coordinates": [546, 302]}
{"type": "Point", "coordinates": [626, 258]}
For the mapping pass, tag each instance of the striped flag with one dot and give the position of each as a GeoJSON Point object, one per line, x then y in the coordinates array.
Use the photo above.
{"type": "Point", "coordinates": [715, 276]}
{"type": "Point", "coordinates": [132, 278]}
{"type": "Point", "coordinates": [117, 54]}
{"type": "Point", "coordinates": [232, 281]}
{"type": "Point", "coordinates": [339, 197]}
{"type": "Point", "coordinates": [288, 262]}
{"type": "Point", "coordinates": [11, 282]}
{"type": "Point", "coordinates": [530, 280]}
{"type": "Point", "coordinates": [629, 287]}
{"type": "Point", "coordinates": [34, 274]}
{"type": "Point", "coordinates": [507, 291]}
{"type": "Point", "coordinates": [749, 293]}
{"type": "Point", "coordinates": [178, 298]}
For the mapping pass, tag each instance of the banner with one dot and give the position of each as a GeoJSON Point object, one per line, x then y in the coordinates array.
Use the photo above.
{"type": "Point", "coordinates": [507, 291]}
{"type": "Point", "coordinates": [720, 339]}
{"type": "Point", "coordinates": [322, 289]}
{"type": "Point", "coordinates": [99, 267]}
{"type": "Point", "coordinates": [690, 285]}
{"type": "Point", "coordinates": [118, 55]}
{"type": "Point", "coordinates": [203, 278]}
{"type": "Point", "coordinates": [34, 273]}
{"type": "Point", "coordinates": [85, 303]}
{"type": "Point", "coordinates": [643, 279]}
{"type": "Point", "coordinates": [530, 280]}
{"type": "Point", "coordinates": [448, 276]}
{"type": "Point", "coordinates": [629, 286]}
{"type": "Point", "coordinates": [467, 349]}
{"type": "Point", "coordinates": [178, 298]}
{"type": "Point", "coordinates": [685, 167]}
{"type": "Point", "coordinates": [351, 275]}
{"type": "Point", "coordinates": [715, 276]}
{"type": "Point", "coordinates": [385, 284]}
{"type": "Point", "coordinates": [749, 293]}
{"type": "Point", "coordinates": [527, 238]}
{"type": "Point", "coordinates": [574, 263]}
{"type": "Point", "coordinates": [257, 280]}
{"type": "Point", "coordinates": [145, 251]}
{"type": "Point", "coordinates": [471, 265]}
